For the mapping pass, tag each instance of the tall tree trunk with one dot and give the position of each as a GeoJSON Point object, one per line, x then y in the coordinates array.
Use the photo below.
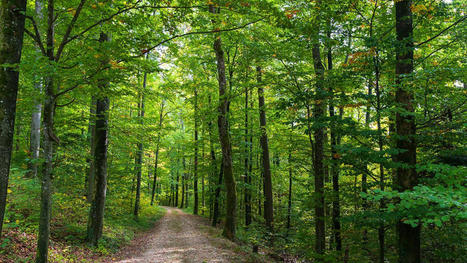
{"type": "Point", "coordinates": [247, 178]}
{"type": "Point", "coordinates": [318, 163]}
{"type": "Point", "coordinates": [224, 137]}
{"type": "Point", "coordinates": [90, 178]}
{"type": "Point", "coordinates": [406, 177]}
{"type": "Point", "coordinates": [11, 42]}
{"type": "Point", "coordinates": [289, 200]}
{"type": "Point", "coordinates": [35, 136]}
{"type": "Point", "coordinates": [96, 213]}
{"type": "Point", "coordinates": [139, 155]}
{"type": "Point", "coordinates": [156, 162]}
{"type": "Point", "coordinates": [49, 142]}
{"type": "Point", "coordinates": [195, 175]}
{"type": "Point", "coordinates": [336, 211]}
{"type": "Point", "coordinates": [266, 165]}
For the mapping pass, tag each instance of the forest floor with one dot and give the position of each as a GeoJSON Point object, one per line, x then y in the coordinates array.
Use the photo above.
{"type": "Point", "coordinates": [179, 237]}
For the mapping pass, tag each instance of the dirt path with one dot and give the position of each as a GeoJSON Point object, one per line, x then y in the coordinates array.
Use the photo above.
{"type": "Point", "coordinates": [180, 237]}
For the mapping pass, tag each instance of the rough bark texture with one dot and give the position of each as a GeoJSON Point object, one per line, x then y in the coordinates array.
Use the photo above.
{"type": "Point", "coordinates": [91, 178]}
{"type": "Point", "coordinates": [195, 175]}
{"type": "Point", "coordinates": [96, 213]}
{"type": "Point", "coordinates": [224, 137]}
{"type": "Point", "coordinates": [318, 166]}
{"type": "Point", "coordinates": [336, 210]}
{"type": "Point", "coordinates": [406, 175]}
{"type": "Point", "coordinates": [266, 165]}
{"type": "Point", "coordinates": [11, 41]}
{"type": "Point", "coordinates": [49, 142]}
{"type": "Point", "coordinates": [156, 162]}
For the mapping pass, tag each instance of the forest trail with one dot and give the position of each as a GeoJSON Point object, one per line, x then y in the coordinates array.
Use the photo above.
{"type": "Point", "coordinates": [180, 237]}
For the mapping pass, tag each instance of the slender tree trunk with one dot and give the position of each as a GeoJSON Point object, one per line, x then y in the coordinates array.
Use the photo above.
{"type": "Point", "coordinates": [49, 142]}
{"type": "Point", "coordinates": [139, 155]}
{"type": "Point", "coordinates": [336, 212]}
{"type": "Point", "coordinates": [406, 177]}
{"type": "Point", "coordinates": [11, 42]}
{"type": "Point", "coordinates": [35, 137]}
{"type": "Point", "coordinates": [289, 200]}
{"type": "Point", "coordinates": [195, 176]}
{"type": "Point", "coordinates": [96, 213]}
{"type": "Point", "coordinates": [224, 137]}
{"type": "Point", "coordinates": [183, 183]}
{"type": "Point", "coordinates": [90, 178]}
{"type": "Point", "coordinates": [161, 118]}
{"type": "Point", "coordinates": [176, 189]}
{"type": "Point", "coordinates": [247, 178]}
{"type": "Point", "coordinates": [318, 164]}
{"type": "Point", "coordinates": [266, 165]}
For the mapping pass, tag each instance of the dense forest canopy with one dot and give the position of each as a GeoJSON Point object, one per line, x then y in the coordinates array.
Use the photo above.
{"type": "Point", "coordinates": [314, 131]}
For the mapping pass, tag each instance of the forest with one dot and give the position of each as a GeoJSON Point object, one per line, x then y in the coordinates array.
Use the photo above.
{"type": "Point", "coordinates": [233, 131]}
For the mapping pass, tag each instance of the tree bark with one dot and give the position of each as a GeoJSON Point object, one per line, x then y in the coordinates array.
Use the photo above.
{"type": "Point", "coordinates": [266, 165]}
{"type": "Point", "coordinates": [91, 178]}
{"type": "Point", "coordinates": [49, 142]}
{"type": "Point", "coordinates": [140, 152]}
{"type": "Point", "coordinates": [318, 164]}
{"type": "Point", "coordinates": [195, 175]}
{"type": "Point", "coordinates": [156, 162]}
{"type": "Point", "coordinates": [96, 213]}
{"type": "Point", "coordinates": [11, 42]}
{"type": "Point", "coordinates": [247, 178]}
{"type": "Point", "coordinates": [224, 137]}
{"type": "Point", "coordinates": [406, 175]}
{"type": "Point", "coordinates": [336, 212]}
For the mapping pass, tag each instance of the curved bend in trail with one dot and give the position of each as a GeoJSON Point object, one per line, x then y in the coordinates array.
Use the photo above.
{"type": "Point", "coordinates": [179, 237]}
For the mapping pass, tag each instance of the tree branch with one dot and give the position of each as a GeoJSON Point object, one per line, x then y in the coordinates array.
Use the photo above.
{"type": "Point", "coordinates": [442, 31]}
{"type": "Point", "coordinates": [68, 30]}
{"type": "Point", "coordinates": [36, 36]}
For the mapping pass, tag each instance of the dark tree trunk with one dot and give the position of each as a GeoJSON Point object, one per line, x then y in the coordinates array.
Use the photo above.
{"type": "Point", "coordinates": [183, 183]}
{"type": "Point", "coordinates": [49, 142]}
{"type": "Point", "coordinates": [195, 175]}
{"type": "Point", "coordinates": [318, 164]}
{"type": "Point", "coordinates": [140, 152]}
{"type": "Point", "coordinates": [336, 210]}
{"type": "Point", "coordinates": [289, 199]}
{"type": "Point", "coordinates": [224, 137]}
{"type": "Point", "coordinates": [247, 178]}
{"type": "Point", "coordinates": [90, 178]}
{"type": "Point", "coordinates": [11, 42]}
{"type": "Point", "coordinates": [176, 189]}
{"type": "Point", "coordinates": [96, 213]}
{"type": "Point", "coordinates": [266, 165]}
{"type": "Point", "coordinates": [406, 175]}
{"type": "Point", "coordinates": [156, 162]}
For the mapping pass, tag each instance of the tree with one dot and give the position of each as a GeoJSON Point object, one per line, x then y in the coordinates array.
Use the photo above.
{"type": "Point", "coordinates": [318, 149]}
{"type": "Point", "coordinates": [224, 137]}
{"type": "Point", "coordinates": [406, 176]}
{"type": "Point", "coordinates": [12, 19]}
{"type": "Point", "coordinates": [96, 213]}
{"type": "Point", "coordinates": [268, 201]}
